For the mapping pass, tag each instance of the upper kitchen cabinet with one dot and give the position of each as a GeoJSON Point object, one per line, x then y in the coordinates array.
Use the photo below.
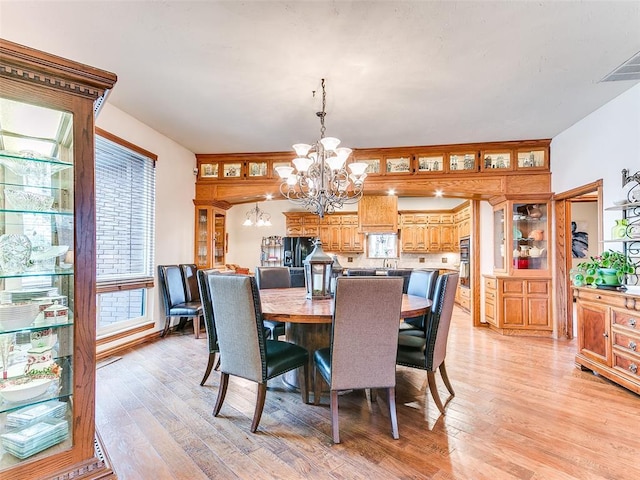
{"type": "Point", "coordinates": [47, 265]}
{"type": "Point", "coordinates": [493, 160]}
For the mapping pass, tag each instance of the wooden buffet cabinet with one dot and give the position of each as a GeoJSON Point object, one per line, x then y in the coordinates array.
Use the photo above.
{"type": "Point", "coordinates": [609, 334]}
{"type": "Point", "coordinates": [517, 296]}
{"type": "Point", "coordinates": [61, 441]}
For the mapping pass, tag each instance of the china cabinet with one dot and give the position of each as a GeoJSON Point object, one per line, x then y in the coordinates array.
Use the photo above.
{"type": "Point", "coordinates": [518, 294]}
{"type": "Point", "coordinates": [210, 237]}
{"type": "Point", "coordinates": [47, 266]}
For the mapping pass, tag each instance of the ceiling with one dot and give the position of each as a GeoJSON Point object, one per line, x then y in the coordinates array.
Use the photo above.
{"type": "Point", "coordinates": [238, 76]}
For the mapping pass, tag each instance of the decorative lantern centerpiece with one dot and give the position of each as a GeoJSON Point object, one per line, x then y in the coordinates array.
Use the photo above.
{"type": "Point", "coordinates": [317, 273]}
{"type": "Point", "coordinates": [336, 271]}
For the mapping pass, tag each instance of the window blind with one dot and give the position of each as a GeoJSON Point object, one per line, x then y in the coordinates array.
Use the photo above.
{"type": "Point", "coordinates": [125, 216]}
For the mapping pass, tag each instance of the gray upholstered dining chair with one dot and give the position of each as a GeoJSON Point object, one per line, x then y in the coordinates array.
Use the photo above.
{"type": "Point", "coordinates": [273, 277]}
{"type": "Point", "coordinates": [244, 350]}
{"type": "Point", "coordinates": [364, 342]}
{"type": "Point", "coordinates": [209, 324]}
{"type": "Point", "coordinates": [429, 353]}
{"type": "Point", "coordinates": [191, 290]}
{"type": "Point", "coordinates": [422, 284]}
{"type": "Point", "coordinates": [174, 297]}
{"type": "Point", "coordinates": [360, 272]}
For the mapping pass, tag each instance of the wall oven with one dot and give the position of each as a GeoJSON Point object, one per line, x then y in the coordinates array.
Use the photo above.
{"type": "Point", "coordinates": [465, 262]}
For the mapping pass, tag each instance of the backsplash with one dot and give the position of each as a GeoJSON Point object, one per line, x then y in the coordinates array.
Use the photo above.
{"type": "Point", "coordinates": [406, 260]}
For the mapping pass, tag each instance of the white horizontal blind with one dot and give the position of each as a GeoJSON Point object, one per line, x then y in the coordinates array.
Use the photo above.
{"type": "Point", "coordinates": [125, 214]}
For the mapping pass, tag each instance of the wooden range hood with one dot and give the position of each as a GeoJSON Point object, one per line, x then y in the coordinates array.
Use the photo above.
{"type": "Point", "coordinates": [378, 214]}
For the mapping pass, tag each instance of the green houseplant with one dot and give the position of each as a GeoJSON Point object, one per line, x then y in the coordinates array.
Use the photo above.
{"type": "Point", "coordinates": [609, 269]}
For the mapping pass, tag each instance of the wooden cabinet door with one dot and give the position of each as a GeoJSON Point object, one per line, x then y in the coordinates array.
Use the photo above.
{"type": "Point", "coordinates": [593, 331]}
{"type": "Point", "coordinates": [335, 238]}
{"type": "Point", "coordinates": [325, 237]}
{"type": "Point", "coordinates": [447, 238]}
{"type": "Point", "coordinates": [408, 238]}
{"type": "Point", "coordinates": [433, 238]}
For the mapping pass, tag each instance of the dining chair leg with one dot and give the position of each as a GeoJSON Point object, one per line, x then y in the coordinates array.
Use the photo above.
{"type": "Point", "coordinates": [212, 357]}
{"type": "Point", "coordinates": [431, 379]}
{"type": "Point", "coordinates": [222, 391]}
{"type": "Point", "coordinates": [445, 379]}
{"type": "Point", "coordinates": [371, 394]}
{"type": "Point", "coordinates": [335, 429]}
{"type": "Point", "coordinates": [317, 387]}
{"type": "Point", "coordinates": [303, 381]}
{"type": "Point", "coordinates": [392, 412]}
{"type": "Point", "coordinates": [217, 366]}
{"type": "Point", "coordinates": [167, 324]}
{"type": "Point", "coordinates": [196, 326]}
{"type": "Point", "coordinates": [262, 393]}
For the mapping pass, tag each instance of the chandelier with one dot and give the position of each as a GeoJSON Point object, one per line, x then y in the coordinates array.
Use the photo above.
{"type": "Point", "coordinates": [320, 181]}
{"type": "Point", "coordinates": [257, 217]}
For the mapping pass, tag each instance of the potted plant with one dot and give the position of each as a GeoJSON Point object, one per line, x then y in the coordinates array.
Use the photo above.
{"type": "Point", "coordinates": [607, 269]}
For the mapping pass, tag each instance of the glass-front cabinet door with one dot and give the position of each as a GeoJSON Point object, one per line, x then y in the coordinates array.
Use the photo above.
{"type": "Point", "coordinates": [500, 241]}
{"type": "Point", "coordinates": [210, 237]}
{"type": "Point", "coordinates": [37, 278]}
{"type": "Point", "coordinates": [521, 238]}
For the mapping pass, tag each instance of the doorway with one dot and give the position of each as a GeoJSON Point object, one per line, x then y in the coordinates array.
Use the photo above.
{"type": "Point", "coordinates": [578, 214]}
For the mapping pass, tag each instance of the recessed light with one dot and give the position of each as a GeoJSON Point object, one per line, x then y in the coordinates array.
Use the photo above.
{"type": "Point", "coordinates": [391, 191]}
{"type": "Point", "coordinates": [438, 193]}
{"type": "Point", "coordinates": [268, 196]}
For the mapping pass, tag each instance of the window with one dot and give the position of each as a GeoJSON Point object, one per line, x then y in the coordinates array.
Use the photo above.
{"type": "Point", "coordinates": [125, 206]}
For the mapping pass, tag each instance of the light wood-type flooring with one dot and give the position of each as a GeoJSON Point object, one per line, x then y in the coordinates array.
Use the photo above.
{"type": "Point", "coordinates": [521, 411]}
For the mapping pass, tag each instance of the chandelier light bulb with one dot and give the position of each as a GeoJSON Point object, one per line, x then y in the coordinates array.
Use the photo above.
{"type": "Point", "coordinates": [302, 149]}
{"type": "Point", "coordinates": [330, 143]}
{"type": "Point", "coordinates": [335, 163]}
{"type": "Point", "coordinates": [284, 172]}
{"type": "Point", "coordinates": [358, 168]}
{"type": "Point", "coordinates": [257, 217]}
{"type": "Point", "coordinates": [302, 164]}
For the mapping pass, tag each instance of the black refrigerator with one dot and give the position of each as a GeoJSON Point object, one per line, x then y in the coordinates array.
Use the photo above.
{"type": "Point", "coordinates": [296, 250]}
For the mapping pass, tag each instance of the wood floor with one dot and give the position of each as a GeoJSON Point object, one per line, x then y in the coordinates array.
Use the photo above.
{"type": "Point", "coordinates": [521, 411]}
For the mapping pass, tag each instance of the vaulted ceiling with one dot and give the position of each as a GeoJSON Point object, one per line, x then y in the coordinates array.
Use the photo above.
{"type": "Point", "coordinates": [226, 76]}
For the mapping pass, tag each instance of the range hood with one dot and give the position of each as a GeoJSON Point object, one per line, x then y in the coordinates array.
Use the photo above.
{"type": "Point", "coordinates": [378, 214]}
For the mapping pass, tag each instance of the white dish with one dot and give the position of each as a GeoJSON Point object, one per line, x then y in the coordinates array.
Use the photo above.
{"type": "Point", "coordinates": [619, 202]}
{"type": "Point", "coordinates": [24, 388]}
{"type": "Point", "coordinates": [15, 316]}
{"type": "Point", "coordinates": [50, 252]}
{"type": "Point", "coordinates": [23, 200]}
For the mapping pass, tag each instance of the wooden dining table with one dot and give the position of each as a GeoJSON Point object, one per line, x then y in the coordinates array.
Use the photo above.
{"type": "Point", "coordinates": [308, 322]}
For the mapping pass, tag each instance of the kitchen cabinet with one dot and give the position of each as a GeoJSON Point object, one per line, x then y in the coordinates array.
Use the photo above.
{"type": "Point", "coordinates": [210, 237]}
{"type": "Point", "coordinates": [302, 224]}
{"type": "Point", "coordinates": [351, 240]}
{"type": "Point", "coordinates": [338, 232]}
{"type": "Point", "coordinates": [609, 334]}
{"type": "Point", "coordinates": [47, 260]}
{"type": "Point", "coordinates": [378, 214]}
{"type": "Point", "coordinates": [518, 306]}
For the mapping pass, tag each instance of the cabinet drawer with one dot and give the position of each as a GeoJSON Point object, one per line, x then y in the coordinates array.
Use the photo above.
{"type": "Point", "coordinates": [626, 318]}
{"type": "Point", "coordinates": [600, 296]}
{"type": "Point", "coordinates": [627, 364]}
{"type": "Point", "coordinates": [490, 283]}
{"type": "Point", "coordinates": [624, 340]}
{"type": "Point", "coordinates": [465, 293]}
{"type": "Point", "coordinates": [490, 295]}
{"type": "Point", "coordinates": [465, 303]}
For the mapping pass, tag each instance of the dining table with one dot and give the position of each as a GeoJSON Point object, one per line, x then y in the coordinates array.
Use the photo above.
{"type": "Point", "coordinates": [308, 321]}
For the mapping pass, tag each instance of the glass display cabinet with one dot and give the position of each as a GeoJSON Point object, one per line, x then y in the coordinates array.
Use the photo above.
{"type": "Point", "coordinates": [517, 295]}
{"type": "Point", "coordinates": [47, 266]}
{"type": "Point", "coordinates": [210, 237]}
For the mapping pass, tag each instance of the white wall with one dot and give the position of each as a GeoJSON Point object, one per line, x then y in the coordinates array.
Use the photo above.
{"type": "Point", "coordinates": [598, 147]}
{"type": "Point", "coordinates": [175, 187]}
{"type": "Point", "coordinates": [244, 242]}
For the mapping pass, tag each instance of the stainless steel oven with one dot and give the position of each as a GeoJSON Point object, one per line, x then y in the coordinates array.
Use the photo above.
{"type": "Point", "coordinates": [465, 262]}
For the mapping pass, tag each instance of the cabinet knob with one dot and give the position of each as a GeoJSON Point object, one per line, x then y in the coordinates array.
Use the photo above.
{"type": "Point", "coordinates": [633, 368]}
{"type": "Point", "coordinates": [632, 345]}
{"type": "Point", "coordinates": [605, 335]}
{"type": "Point", "coordinates": [598, 297]}
{"type": "Point", "coordinates": [632, 322]}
